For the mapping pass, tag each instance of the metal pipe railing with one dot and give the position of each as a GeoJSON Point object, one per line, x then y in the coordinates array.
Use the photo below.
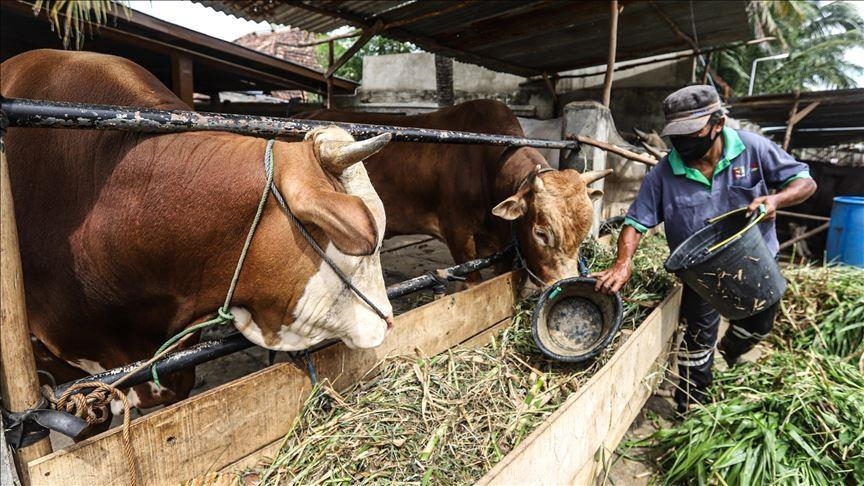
{"type": "Point", "coordinates": [210, 350]}
{"type": "Point", "coordinates": [54, 114]}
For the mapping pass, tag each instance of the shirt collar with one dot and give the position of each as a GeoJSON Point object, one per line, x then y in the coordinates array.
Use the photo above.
{"type": "Point", "coordinates": [732, 147]}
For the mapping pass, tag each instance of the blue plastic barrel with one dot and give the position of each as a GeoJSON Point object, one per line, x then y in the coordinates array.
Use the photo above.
{"type": "Point", "coordinates": [846, 231]}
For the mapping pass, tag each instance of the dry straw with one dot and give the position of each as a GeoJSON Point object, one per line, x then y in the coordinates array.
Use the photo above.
{"type": "Point", "coordinates": [449, 418]}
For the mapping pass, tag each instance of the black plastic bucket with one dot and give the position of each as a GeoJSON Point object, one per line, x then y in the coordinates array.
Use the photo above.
{"type": "Point", "coordinates": [729, 265]}
{"type": "Point", "coordinates": [572, 322]}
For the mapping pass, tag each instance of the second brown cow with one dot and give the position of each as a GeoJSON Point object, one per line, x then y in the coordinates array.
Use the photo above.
{"type": "Point", "coordinates": [477, 198]}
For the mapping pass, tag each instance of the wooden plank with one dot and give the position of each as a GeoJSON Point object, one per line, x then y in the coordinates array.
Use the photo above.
{"type": "Point", "coordinates": [221, 426]}
{"type": "Point", "coordinates": [19, 384]}
{"type": "Point", "coordinates": [181, 78]}
{"type": "Point", "coordinates": [569, 446]}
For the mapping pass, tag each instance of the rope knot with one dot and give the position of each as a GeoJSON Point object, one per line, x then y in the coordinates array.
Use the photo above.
{"type": "Point", "coordinates": [225, 314]}
{"type": "Point", "coordinates": [94, 407]}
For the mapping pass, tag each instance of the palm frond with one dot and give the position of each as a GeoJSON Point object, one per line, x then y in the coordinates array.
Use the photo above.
{"type": "Point", "coordinates": [73, 19]}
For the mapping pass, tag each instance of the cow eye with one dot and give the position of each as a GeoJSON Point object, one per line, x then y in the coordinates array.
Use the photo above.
{"type": "Point", "coordinates": [542, 237]}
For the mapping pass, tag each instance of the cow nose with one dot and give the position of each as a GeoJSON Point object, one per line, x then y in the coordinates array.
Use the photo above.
{"type": "Point", "coordinates": [389, 321]}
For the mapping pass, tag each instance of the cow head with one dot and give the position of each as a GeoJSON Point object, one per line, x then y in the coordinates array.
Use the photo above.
{"type": "Point", "coordinates": [340, 201]}
{"type": "Point", "coordinates": [552, 214]}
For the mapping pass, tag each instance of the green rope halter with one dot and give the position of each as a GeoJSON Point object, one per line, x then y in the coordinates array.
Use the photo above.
{"type": "Point", "coordinates": [224, 315]}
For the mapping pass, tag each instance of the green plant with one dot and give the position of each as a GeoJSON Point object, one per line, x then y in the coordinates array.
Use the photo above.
{"type": "Point", "coordinates": [353, 69]}
{"type": "Point", "coordinates": [815, 34]}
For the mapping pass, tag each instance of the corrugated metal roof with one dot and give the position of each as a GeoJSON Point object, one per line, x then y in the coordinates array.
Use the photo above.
{"type": "Point", "coordinates": [517, 36]}
{"type": "Point", "coordinates": [836, 120]}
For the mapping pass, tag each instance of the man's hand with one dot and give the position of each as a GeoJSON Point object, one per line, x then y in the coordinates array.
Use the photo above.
{"type": "Point", "coordinates": [795, 192]}
{"type": "Point", "coordinates": [611, 280]}
{"type": "Point", "coordinates": [770, 203]}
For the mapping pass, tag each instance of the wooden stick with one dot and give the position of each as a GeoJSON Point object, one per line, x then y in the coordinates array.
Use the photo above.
{"type": "Point", "coordinates": [614, 149]}
{"type": "Point", "coordinates": [806, 111]}
{"type": "Point", "coordinates": [727, 90]}
{"type": "Point", "coordinates": [790, 123]}
{"type": "Point", "coordinates": [19, 383]}
{"type": "Point", "coordinates": [816, 230]}
{"type": "Point", "coordinates": [610, 61]}
{"type": "Point", "coordinates": [803, 216]}
{"type": "Point", "coordinates": [330, 62]}
{"type": "Point", "coordinates": [356, 46]}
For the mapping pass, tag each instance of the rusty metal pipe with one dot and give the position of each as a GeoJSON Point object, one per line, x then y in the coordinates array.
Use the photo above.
{"type": "Point", "coordinates": [53, 114]}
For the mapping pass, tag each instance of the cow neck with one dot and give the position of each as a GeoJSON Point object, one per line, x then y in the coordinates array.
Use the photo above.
{"type": "Point", "coordinates": [512, 174]}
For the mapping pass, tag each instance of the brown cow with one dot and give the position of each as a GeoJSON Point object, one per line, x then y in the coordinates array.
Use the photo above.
{"type": "Point", "coordinates": [475, 197]}
{"type": "Point", "coordinates": [128, 238]}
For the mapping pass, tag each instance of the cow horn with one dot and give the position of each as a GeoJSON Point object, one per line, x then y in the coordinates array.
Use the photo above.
{"type": "Point", "coordinates": [595, 175]}
{"type": "Point", "coordinates": [338, 156]}
{"type": "Point", "coordinates": [537, 185]}
{"type": "Point", "coordinates": [639, 133]}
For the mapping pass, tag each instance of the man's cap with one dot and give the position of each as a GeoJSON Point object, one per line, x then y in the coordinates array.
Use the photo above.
{"type": "Point", "coordinates": [688, 109]}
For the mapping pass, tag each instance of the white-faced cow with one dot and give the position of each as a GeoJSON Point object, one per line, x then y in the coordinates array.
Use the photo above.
{"type": "Point", "coordinates": [475, 198]}
{"type": "Point", "coordinates": [128, 238]}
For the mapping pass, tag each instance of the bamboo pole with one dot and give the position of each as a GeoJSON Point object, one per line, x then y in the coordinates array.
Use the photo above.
{"type": "Point", "coordinates": [613, 46]}
{"type": "Point", "coordinates": [627, 154]}
{"type": "Point", "coordinates": [330, 63]}
{"type": "Point", "coordinates": [802, 215]}
{"type": "Point", "coordinates": [814, 231]}
{"type": "Point", "coordinates": [19, 383]}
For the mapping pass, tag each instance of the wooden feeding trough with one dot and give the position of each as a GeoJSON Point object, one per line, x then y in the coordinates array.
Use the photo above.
{"type": "Point", "coordinates": [238, 423]}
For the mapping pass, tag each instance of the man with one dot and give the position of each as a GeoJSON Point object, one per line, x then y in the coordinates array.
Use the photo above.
{"type": "Point", "coordinates": [711, 170]}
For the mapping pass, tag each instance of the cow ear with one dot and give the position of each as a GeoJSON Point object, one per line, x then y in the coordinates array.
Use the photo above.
{"type": "Point", "coordinates": [594, 194]}
{"type": "Point", "coordinates": [511, 208]}
{"type": "Point", "coordinates": [345, 219]}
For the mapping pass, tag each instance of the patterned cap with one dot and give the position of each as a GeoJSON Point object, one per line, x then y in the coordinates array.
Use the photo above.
{"type": "Point", "coordinates": [688, 109]}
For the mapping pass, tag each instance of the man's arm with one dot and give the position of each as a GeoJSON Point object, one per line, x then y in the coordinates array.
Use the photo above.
{"type": "Point", "coordinates": [611, 280]}
{"type": "Point", "coordinates": [796, 192]}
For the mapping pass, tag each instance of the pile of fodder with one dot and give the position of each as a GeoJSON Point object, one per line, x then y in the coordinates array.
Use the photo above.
{"type": "Point", "coordinates": [797, 415]}
{"type": "Point", "coordinates": [448, 418]}
{"type": "Point", "coordinates": [823, 310]}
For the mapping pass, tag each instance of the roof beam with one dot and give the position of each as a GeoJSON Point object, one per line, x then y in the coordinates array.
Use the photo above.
{"type": "Point", "coordinates": [355, 47]}
{"type": "Point", "coordinates": [422, 41]}
{"type": "Point", "coordinates": [727, 90]}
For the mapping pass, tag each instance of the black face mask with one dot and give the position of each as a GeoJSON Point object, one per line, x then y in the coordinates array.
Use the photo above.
{"type": "Point", "coordinates": [692, 149]}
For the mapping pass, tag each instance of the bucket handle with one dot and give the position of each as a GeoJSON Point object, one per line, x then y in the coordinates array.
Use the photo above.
{"type": "Point", "coordinates": [761, 212]}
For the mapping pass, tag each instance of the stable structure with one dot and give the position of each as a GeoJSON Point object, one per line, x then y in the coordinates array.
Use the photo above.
{"type": "Point", "coordinates": [528, 38]}
{"type": "Point", "coordinates": [187, 61]}
{"type": "Point", "coordinates": [185, 440]}
{"type": "Point", "coordinates": [806, 120]}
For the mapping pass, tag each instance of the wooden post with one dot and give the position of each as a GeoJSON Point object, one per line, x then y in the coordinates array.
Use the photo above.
{"type": "Point", "coordinates": [796, 116]}
{"type": "Point", "coordinates": [613, 46]}
{"type": "Point", "coordinates": [329, 75]}
{"type": "Point", "coordinates": [355, 47]}
{"type": "Point", "coordinates": [787, 139]}
{"type": "Point", "coordinates": [444, 81]}
{"type": "Point", "coordinates": [181, 78]}
{"type": "Point", "coordinates": [19, 383]}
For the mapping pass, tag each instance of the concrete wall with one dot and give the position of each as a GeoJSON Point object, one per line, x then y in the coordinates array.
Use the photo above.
{"type": "Point", "coordinates": [410, 77]}
{"type": "Point", "coordinates": [620, 188]}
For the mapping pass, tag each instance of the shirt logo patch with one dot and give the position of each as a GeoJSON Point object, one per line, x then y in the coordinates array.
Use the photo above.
{"type": "Point", "coordinates": [738, 172]}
